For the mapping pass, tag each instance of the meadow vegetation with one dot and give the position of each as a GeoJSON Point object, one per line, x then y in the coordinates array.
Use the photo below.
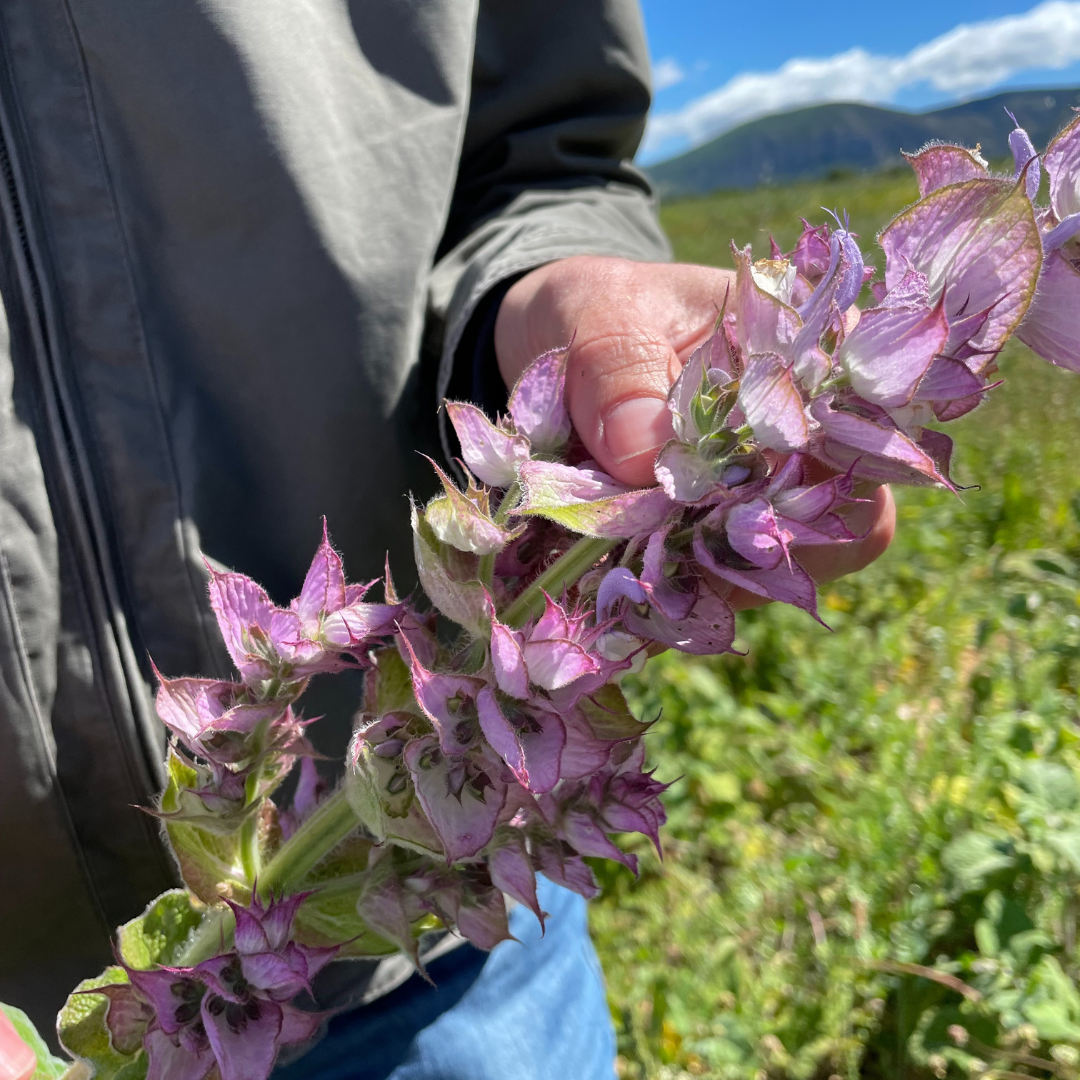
{"type": "Point", "coordinates": [872, 860]}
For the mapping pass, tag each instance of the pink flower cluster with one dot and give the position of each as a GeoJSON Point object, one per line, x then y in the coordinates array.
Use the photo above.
{"type": "Point", "coordinates": [494, 742]}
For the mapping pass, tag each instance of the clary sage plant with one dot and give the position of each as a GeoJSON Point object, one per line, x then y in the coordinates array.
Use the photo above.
{"type": "Point", "coordinates": [494, 742]}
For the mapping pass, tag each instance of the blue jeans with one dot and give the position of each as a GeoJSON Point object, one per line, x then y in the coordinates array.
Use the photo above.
{"type": "Point", "coordinates": [532, 1009]}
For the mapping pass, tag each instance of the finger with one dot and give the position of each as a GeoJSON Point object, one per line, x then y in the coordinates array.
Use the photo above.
{"type": "Point", "coordinates": [17, 1060]}
{"type": "Point", "coordinates": [617, 387]}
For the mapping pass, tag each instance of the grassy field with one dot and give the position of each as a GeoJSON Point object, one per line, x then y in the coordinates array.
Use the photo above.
{"type": "Point", "coordinates": [873, 855]}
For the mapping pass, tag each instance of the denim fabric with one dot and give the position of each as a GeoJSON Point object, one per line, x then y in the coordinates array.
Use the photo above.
{"type": "Point", "coordinates": [533, 1009]}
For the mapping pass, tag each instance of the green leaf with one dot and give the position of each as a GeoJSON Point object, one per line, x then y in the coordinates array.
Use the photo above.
{"type": "Point", "coordinates": [206, 859]}
{"type": "Point", "coordinates": [158, 935]}
{"type": "Point", "coordinates": [390, 686]}
{"type": "Point", "coordinates": [329, 917]}
{"type": "Point", "coordinates": [84, 1033]}
{"type": "Point", "coordinates": [449, 578]}
{"type": "Point", "coordinates": [1054, 785]}
{"type": "Point", "coordinates": [48, 1067]}
{"type": "Point", "coordinates": [609, 715]}
{"type": "Point", "coordinates": [972, 857]}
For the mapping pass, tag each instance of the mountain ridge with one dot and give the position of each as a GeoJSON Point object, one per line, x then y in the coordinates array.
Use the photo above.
{"type": "Point", "coordinates": [809, 143]}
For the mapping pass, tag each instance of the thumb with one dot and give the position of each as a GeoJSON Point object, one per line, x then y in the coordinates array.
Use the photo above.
{"type": "Point", "coordinates": [617, 386]}
{"type": "Point", "coordinates": [17, 1060]}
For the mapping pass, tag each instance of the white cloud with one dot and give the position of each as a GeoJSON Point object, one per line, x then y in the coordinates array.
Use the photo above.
{"type": "Point", "coordinates": [667, 72]}
{"type": "Point", "coordinates": [971, 57]}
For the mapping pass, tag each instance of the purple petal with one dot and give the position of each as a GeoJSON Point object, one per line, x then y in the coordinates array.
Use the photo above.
{"type": "Point", "coordinates": [772, 404]}
{"type": "Point", "coordinates": [851, 270]}
{"type": "Point", "coordinates": [464, 822]}
{"type": "Point", "coordinates": [170, 1061]}
{"type": "Point", "coordinates": [878, 437]}
{"type": "Point", "coordinates": [891, 349]}
{"type": "Point", "coordinates": [553, 663]}
{"type": "Point", "coordinates": [977, 242]}
{"type": "Point", "coordinates": [358, 624]}
{"type": "Point", "coordinates": [244, 1037]}
{"type": "Point", "coordinates": [446, 701]}
{"type": "Point", "coordinates": [324, 586]}
{"type": "Point", "coordinates": [249, 935]}
{"type": "Point", "coordinates": [483, 921]}
{"type": "Point", "coordinates": [912, 290]}
{"type": "Point", "coordinates": [682, 394]}
{"type": "Point", "coordinates": [569, 871]}
{"type": "Point", "coordinates": [532, 747]}
{"type": "Point", "coordinates": [223, 976]}
{"type": "Point", "coordinates": [390, 911]}
{"type": "Point", "coordinates": [1052, 328]}
{"type": "Point", "coordinates": [708, 630]}
{"type": "Point", "coordinates": [492, 454]}
{"type": "Point", "coordinates": [537, 403]}
{"type": "Point", "coordinates": [273, 974]}
{"type": "Point", "coordinates": [948, 380]}
{"type": "Point", "coordinates": [241, 606]}
{"type": "Point", "coordinates": [753, 531]}
{"type": "Point", "coordinates": [583, 753]}
{"type": "Point", "coordinates": [583, 834]}
{"type": "Point", "coordinates": [277, 918]}
{"type": "Point", "coordinates": [790, 584]}
{"type": "Point", "coordinates": [939, 166]}
{"type": "Point", "coordinates": [765, 322]}
{"type": "Point", "coordinates": [589, 501]}
{"type": "Point", "coordinates": [1062, 161]}
{"type": "Point", "coordinates": [1025, 156]}
{"type": "Point", "coordinates": [616, 584]}
{"type": "Point", "coordinates": [810, 255]}
{"type": "Point", "coordinates": [1061, 233]}
{"type": "Point", "coordinates": [507, 660]}
{"type": "Point", "coordinates": [170, 994]}
{"type": "Point", "coordinates": [126, 1016]}
{"type": "Point", "coordinates": [512, 871]}
{"type": "Point", "coordinates": [298, 1025]}
{"type": "Point", "coordinates": [684, 474]}
{"type": "Point", "coordinates": [664, 594]}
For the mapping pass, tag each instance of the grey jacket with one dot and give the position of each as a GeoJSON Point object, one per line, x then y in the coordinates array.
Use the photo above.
{"type": "Point", "coordinates": [240, 242]}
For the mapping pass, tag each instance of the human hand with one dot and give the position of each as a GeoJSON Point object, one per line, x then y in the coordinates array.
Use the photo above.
{"type": "Point", "coordinates": [633, 327]}
{"type": "Point", "coordinates": [17, 1060]}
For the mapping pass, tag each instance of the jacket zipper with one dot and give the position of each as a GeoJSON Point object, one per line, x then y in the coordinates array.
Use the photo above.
{"type": "Point", "coordinates": [72, 481]}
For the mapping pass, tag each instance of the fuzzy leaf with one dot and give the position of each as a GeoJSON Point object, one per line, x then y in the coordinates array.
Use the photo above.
{"type": "Point", "coordinates": [454, 594]}
{"type": "Point", "coordinates": [84, 1034]}
{"type": "Point", "coordinates": [589, 501]}
{"type": "Point", "coordinates": [158, 935]}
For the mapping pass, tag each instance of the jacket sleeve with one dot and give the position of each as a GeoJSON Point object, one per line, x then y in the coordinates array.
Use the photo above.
{"type": "Point", "coordinates": [560, 92]}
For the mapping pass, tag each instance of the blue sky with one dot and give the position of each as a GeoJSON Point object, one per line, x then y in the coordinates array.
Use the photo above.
{"type": "Point", "coordinates": [718, 64]}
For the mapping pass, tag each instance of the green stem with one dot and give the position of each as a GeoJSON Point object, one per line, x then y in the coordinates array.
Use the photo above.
{"type": "Point", "coordinates": [309, 845]}
{"type": "Point", "coordinates": [303, 851]}
{"type": "Point", "coordinates": [584, 555]}
{"type": "Point", "coordinates": [250, 857]}
{"type": "Point", "coordinates": [510, 499]}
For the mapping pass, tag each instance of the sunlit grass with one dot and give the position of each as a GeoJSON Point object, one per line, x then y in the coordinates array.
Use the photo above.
{"type": "Point", "coordinates": [821, 777]}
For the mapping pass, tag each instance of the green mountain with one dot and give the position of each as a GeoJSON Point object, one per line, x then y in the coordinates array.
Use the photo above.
{"type": "Point", "coordinates": [814, 142]}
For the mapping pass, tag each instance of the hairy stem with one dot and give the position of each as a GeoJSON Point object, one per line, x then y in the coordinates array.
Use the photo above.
{"type": "Point", "coordinates": [509, 500]}
{"type": "Point", "coordinates": [562, 573]}
{"type": "Point", "coordinates": [249, 847]}
{"type": "Point", "coordinates": [309, 845]}
{"type": "Point", "coordinates": [306, 848]}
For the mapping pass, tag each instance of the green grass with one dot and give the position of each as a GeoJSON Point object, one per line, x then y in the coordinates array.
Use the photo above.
{"type": "Point", "coordinates": [901, 791]}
